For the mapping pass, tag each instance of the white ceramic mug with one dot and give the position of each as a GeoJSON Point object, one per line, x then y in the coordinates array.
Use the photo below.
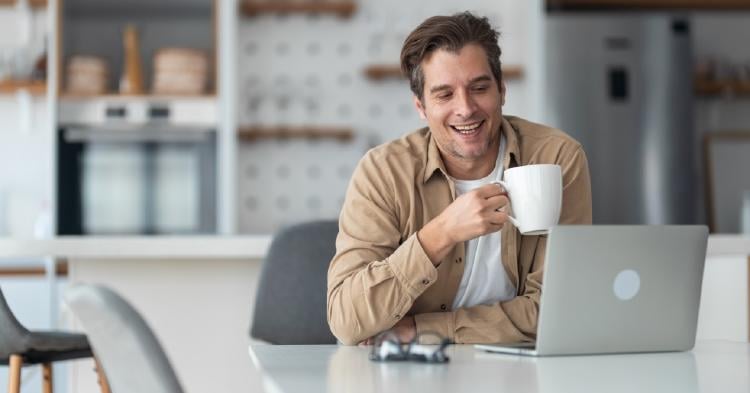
{"type": "Point", "coordinates": [535, 193]}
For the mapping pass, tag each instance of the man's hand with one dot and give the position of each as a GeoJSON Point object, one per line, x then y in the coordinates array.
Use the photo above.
{"type": "Point", "coordinates": [405, 330]}
{"type": "Point", "coordinates": [471, 215]}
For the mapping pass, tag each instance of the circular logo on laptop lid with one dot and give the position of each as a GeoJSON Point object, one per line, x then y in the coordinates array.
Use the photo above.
{"type": "Point", "coordinates": [627, 284]}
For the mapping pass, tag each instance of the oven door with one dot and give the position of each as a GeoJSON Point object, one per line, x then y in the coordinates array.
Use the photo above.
{"type": "Point", "coordinates": [150, 180]}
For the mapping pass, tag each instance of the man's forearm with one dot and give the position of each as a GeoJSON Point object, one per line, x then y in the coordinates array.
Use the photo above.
{"type": "Point", "coordinates": [379, 293]}
{"type": "Point", "coordinates": [511, 321]}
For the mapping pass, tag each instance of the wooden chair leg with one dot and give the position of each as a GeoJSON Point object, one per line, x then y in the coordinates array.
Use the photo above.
{"type": "Point", "coordinates": [102, 379]}
{"type": "Point", "coordinates": [47, 378]}
{"type": "Point", "coordinates": [14, 373]}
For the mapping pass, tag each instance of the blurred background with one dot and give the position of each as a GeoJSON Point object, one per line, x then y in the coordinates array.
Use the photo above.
{"type": "Point", "coordinates": [170, 118]}
{"type": "Point", "coordinates": [228, 117]}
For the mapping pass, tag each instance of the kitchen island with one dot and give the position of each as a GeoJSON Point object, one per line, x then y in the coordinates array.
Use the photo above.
{"type": "Point", "coordinates": [196, 292]}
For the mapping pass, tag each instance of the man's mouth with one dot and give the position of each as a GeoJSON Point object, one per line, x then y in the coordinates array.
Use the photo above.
{"type": "Point", "coordinates": [467, 129]}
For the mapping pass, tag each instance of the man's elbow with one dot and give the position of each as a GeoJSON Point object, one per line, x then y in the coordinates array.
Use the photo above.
{"type": "Point", "coordinates": [345, 330]}
{"type": "Point", "coordinates": [344, 326]}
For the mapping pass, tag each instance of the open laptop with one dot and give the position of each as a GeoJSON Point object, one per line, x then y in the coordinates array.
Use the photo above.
{"type": "Point", "coordinates": [618, 289]}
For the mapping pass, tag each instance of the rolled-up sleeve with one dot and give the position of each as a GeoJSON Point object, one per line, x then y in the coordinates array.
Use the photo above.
{"type": "Point", "coordinates": [516, 320]}
{"type": "Point", "coordinates": [376, 274]}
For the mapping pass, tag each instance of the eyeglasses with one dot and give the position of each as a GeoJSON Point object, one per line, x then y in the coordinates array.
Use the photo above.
{"type": "Point", "coordinates": [388, 347]}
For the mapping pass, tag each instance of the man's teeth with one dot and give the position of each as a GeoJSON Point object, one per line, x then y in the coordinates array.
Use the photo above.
{"type": "Point", "coordinates": [467, 128]}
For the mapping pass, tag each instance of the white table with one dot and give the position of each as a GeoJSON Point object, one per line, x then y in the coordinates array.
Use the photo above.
{"type": "Point", "coordinates": [713, 366]}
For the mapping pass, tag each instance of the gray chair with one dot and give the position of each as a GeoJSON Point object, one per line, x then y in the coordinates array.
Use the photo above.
{"type": "Point", "coordinates": [129, 353]}
{"type": "Point", "coordinates": [290, 306]}
{"type": "Point", "coordinates": [20, 347]}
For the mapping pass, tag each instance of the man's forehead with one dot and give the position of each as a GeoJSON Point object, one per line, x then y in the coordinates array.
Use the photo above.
{"type": "Point", "coordinates": [432, 65]}
{"type": "Point", "coordinates": [438, 57]}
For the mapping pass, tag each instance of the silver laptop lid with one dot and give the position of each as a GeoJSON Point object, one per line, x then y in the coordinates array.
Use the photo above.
{"type": "Point", "coordinates": [614, 289]}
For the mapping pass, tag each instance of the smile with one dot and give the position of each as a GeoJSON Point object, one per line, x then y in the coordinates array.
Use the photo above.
{"type": "Point", "coordinates": [467, 129]}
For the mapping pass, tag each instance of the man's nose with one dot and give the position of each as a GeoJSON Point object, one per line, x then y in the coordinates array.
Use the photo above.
{"type": "Point", "coordinates": [465, 105]}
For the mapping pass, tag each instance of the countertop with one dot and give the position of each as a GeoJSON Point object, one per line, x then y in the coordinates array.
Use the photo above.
{"type": "Point", "coordinates": [212, 247]}
{"type": "Point", "coordinates": [138, 247]}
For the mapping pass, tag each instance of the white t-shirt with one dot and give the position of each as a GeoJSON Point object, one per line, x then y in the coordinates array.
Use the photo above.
{"type": "Point", "coordinates": [485, 280]}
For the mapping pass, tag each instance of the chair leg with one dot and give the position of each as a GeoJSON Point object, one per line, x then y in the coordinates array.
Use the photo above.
{"type": "Point", "coordinates": [14, 373]}
{"type": "Point", "coordinates": [102, 379]}
{"type": "Point", "coordinates": [47, 378]}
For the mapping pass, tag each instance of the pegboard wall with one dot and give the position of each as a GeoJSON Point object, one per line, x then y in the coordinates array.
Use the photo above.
{"type": "Point", "coordinates": [308, 70]}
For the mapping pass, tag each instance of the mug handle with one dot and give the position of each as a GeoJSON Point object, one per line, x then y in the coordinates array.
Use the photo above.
{"type": "Point", "coordinates": [512, 219]}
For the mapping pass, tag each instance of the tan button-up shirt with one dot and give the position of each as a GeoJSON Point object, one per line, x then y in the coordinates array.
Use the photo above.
{"type": "Point", "coordinates": [380, 272]}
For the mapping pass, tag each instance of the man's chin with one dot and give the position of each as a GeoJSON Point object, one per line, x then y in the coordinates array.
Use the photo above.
{"type": "Point", "coordinates": [470, 154]}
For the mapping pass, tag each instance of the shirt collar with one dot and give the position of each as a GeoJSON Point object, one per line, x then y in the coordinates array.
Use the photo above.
{"type": "Point", "coordinates": [435, 161]}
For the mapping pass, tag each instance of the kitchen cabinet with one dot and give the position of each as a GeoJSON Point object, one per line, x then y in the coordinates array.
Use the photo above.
{"type": "Point", "coordinates": [155, 143]}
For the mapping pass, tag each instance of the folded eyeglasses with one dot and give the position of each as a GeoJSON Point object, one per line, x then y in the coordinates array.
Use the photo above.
{"type": "Point", "coordinates": [388, 347]}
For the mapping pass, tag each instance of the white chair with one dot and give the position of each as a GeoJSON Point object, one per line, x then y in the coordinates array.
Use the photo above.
{"type": "Point", "coordinates": [129, 353]}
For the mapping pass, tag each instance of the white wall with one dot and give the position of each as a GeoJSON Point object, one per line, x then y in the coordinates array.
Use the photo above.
{"type": "Point", "coordinates": [25, 165]}
{"type": "Point", "coordinates": [25, 137]}
{"type": "Point", "coordinates": [303, 70]}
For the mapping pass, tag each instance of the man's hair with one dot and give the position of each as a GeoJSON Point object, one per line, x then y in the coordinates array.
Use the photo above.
{"type": "Point", "coordinates": [450, 33]}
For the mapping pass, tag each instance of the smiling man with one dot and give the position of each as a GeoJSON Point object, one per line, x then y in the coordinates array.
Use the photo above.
{"type": "Point", "coordinates": [423, 244]}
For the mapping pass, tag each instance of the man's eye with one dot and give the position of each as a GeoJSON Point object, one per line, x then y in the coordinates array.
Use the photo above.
{"type": "Point", "coordinates": [444, 96]}
{"type": "Point", "coordinates": [480, 88]}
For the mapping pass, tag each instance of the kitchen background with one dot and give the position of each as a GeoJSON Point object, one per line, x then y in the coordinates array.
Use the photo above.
{"type": "Point", "coordinates": [292, 100]}
{"type": "Point", "coordinates": [309, 93]}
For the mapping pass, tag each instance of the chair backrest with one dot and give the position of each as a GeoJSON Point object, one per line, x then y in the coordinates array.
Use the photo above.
{"type": "Point", "coordinates": [12, 333]}
{"type": "Point", "coordinates": [290, 306]}
{"type": "Point", "coordinates": [128, 351]}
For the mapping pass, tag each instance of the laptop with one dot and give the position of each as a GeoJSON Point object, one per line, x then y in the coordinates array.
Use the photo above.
{"type": "Point", "coordinates": [618, 289]}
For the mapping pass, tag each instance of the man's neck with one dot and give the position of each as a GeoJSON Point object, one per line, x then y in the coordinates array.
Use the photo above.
{"type": "Point", "coordinates": [466, 169]}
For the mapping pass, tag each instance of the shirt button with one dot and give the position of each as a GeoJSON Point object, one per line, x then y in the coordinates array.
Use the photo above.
{"type": "Point", "coordinates": [425, 281]}
{"type": "Point", "coordinates": [459, 260]}
{"type": "Point", "coordinates": [398, 316]}
{"type": "Point", "coordinates": [443, 307]}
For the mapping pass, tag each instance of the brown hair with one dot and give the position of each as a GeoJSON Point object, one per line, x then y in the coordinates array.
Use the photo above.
{"type": "Point", "coordinates": [451, 33]}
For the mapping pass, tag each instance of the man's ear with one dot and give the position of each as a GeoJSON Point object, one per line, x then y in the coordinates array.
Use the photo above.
{"type": "Point", "coordinates": [420, 107]}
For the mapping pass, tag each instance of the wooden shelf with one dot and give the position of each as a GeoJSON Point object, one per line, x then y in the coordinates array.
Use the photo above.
{"type": "Point", "coordinates": [253, 133]}
{"type": "Point", "coordinates": [61, 270]}
{"type": "Point", "coordinates": [32, 3]}
{"type": "Point", "coordinates": [379, 72]}
{"type": "Point", "coordinates": [135, 97]}
{"type": "Point", "coordinates": [12, 86]}
{"type": "Point", "coordinates": [593, 5]}
{"type": "Point", "coordinates": [715, 88]}
{"type": "Point", "coordinates": [343, 9]}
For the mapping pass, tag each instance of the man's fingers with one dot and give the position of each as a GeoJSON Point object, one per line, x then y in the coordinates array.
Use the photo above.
{"type": "Point", "coordinates": [490, 190]}
{"type": "Point", "coordinates": [365, 343]}
{"type": "Point", "coordinates": [497, 202]}
{"type": "Point", "coordinates": [498, 218]}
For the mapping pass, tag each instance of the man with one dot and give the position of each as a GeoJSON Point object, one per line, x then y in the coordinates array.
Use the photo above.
{"type": "Point", "coordinates": [423, 244]}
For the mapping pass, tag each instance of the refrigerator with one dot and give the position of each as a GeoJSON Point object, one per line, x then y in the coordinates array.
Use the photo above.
{"type": "Point", "coordinates": [621, 84]}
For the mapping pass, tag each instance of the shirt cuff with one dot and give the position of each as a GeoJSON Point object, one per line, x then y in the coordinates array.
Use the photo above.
{"type": "Point", "coordinates": [412, 267]}
{"type": "Point", "coordinates": [440, 323]}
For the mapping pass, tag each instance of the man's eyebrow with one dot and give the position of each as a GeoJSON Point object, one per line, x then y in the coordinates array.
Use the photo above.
{"type": "Point", "coordinates": [439, 88]}
{"type": "Point", "coordinates": [481, 78]}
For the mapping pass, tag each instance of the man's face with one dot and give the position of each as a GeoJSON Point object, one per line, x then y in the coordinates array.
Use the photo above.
{"type": "Point", "coordinates": [462, 103]}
